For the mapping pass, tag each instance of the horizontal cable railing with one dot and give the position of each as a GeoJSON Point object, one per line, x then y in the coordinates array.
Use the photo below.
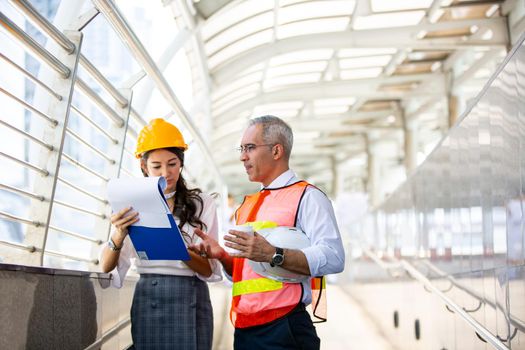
{"type": "Point", "coordinates": [81, 190]}
{"type": "Point", "coordinates": [77, 235]}
{"type": "Point", "coordinates": [83, 132]}
{"type": "Point", "coordinates": [89, 145]}
{"type": "Point", "coordinates": [84, 167]}
{"type": "Point", "coordinates": [113, 331]}
{"type": "Point", "coordinates": [27, 135]}
{"type": "Point", "coordinates": [16, 218]}
{"type": "Point", "coordinates": [77, 208]}
{"type": "Point", "coordinates": [99, 102]}
{"type": "Point", "coordinates": [25, 164]}
{"type": "Point", "coordinates": [92, 123]}
{"type": "Point", "coordinates": [22, 192]}
{"type": "Point", "coordinates": [37, 19]}
{"type": "Point", "coordinates": [22, 37]}
{"type": "Point", "coordinates": [32, 77]}
{"type": "Point", "coordinates": [30, 108]}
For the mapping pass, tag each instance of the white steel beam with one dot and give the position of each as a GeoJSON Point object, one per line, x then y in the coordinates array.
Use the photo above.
{"type": "Point", "coordinates": [400, 38]}
{"type": "Point", "coordinates": [366, 88]}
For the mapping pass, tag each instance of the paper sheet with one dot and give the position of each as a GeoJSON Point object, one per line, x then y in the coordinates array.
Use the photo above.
{"type": "Point", "coordinates": [144, 195]}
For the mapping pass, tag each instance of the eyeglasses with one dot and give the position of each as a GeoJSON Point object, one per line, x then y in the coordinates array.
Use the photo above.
{"type": "Point", "coordinates": [250, 147]}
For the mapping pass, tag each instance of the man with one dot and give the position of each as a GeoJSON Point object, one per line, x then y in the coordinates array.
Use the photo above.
{"type": "Point", "coordinates": [268, 314]}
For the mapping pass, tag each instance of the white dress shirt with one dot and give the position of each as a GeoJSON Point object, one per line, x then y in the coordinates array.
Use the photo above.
{"type": "Point", "coordinates": [128, 257]}
{"type": "Point", "coordinates": [317, 220]}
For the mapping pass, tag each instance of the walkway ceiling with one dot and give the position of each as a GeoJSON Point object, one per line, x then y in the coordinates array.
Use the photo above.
{"type": "Point", "coordinates": [346, 75]}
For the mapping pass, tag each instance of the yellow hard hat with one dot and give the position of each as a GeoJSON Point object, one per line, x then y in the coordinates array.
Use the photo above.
{"type": "Point", "coordinates": [159, 134]}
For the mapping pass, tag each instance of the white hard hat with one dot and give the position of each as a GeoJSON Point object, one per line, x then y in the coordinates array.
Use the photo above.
{"type": "Point", "coordinates": [282, 237]}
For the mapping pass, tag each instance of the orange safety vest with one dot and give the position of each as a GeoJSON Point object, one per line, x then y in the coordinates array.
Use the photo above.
{"type": "Point", "coordinates": [257, 300]}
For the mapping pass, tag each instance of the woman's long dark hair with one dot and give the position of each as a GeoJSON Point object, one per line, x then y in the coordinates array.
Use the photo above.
{"type": "Point", "coordinates": [188, 204]}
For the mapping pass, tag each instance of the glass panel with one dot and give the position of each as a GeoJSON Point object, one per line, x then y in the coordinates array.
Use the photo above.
{"type": "Point", "coordinates": [312, 26]}
{"type": "Point", "coordinates": [389, 20]}
{"type": "Point", "coordinates": [362, 62]}
{"type": "Point", "coordinates": [315, 9]}
{"type": "Point", "coordinates": [361, 73]}
{"type": "Point", "coordinates": [305, 67]}
{"type": "Point", "coordinates": [240, 46]}
{"type": "Point", "coordinates": [388, 5]}
{"type": "Point", "coordinates": [292, 79]}
{"type": "Point", "coordinates": [234, 14]}
{"type": "Point", "coordinates": [301, 56]}
{"type": "Point", "coordinates": [239, 31]}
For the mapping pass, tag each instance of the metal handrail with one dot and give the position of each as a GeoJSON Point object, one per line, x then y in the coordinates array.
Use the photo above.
{"type": "Point", "coordinates": [109, 334]}
{"type": "Point", "coordinates": [30, 108]}
{"type": "Point", "coordinates": [34, 47]}
{"type": "Point", "coordinates": [95, 73]}
{"type": "Point", "coordinates": [19, 191]}
{"type": "Point", "coordinates": [479, 328]}
{"type": "Point", "coordinates": [33, 249]}
{"type": "Point", "coordinates": [42, 23]}
{"type": "Point", "coordinates": [31, 77]}
{"type": "Point", "coordinates": [89, 145]}
{"type": "Point", "coordinates": [95, 125]}
{"type": "Point", "coordinates": [83, 167]}
{"type": "Point", "coordinates": [84, 210]}
{"type": "Point", "coordinates": [77, 235]}
{"type": "Point", "coordinates": [15, 218]}
{"type": "Point", "coordinates": [482, 332]}
{"type": "Point", "coordinates": [44, 172]}
{"type": "Point", "coordinates": [99, 102]}
{"type": "Point", "coordinates": [75, 187]}
{"type": "Point", "coordinates": [70, 257]}
{"type": "Point", "coordinates": [29, 248]}
{"type": "Point", "coordinates": [27, 135]}
{"type": "Point", "coordinates": [520, 325]}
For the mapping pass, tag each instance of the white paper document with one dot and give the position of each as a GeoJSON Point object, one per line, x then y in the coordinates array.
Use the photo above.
{"type": "Point", "coordinates": [144, 195]}
{"type": "Point", "coordinates": [156, 235]}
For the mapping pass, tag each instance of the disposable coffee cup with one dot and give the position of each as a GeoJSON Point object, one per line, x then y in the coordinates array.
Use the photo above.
{"type": "Point", "coordinates": [242, 228]}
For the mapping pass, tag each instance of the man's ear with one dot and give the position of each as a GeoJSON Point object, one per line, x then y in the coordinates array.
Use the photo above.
{"type": "Point", "coordinates": [278, 151]}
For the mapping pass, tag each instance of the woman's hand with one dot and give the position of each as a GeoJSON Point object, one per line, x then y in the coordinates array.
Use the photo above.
{"type": "Point", "coordinates": [122, 220]}
{"type": "Point", "coordinates": [208, 247]}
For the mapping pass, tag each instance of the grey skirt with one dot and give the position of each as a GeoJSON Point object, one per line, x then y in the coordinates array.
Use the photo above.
{"type": "Point", "coordinates": [171, 312]}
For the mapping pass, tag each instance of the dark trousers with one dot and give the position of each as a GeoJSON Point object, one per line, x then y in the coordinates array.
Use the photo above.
{"type": "Point", "coordinates": [293, 331]}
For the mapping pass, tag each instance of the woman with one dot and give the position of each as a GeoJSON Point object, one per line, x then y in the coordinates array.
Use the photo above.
{"type": "Point", "coordinates": [171, 305]}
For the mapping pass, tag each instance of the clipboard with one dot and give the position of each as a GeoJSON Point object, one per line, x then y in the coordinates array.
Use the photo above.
{"type": "Point", "coordinates": [159, 243]}
{"type": "Point", "coordinates": [156, 235]}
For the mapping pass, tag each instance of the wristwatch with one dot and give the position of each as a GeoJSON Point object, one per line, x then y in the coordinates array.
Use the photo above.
{"type": "Point", "coordinates": [278, 257]}
{"type": "Point", "coordinates": [113, 246]}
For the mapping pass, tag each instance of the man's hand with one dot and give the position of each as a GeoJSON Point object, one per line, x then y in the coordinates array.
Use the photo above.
{"type": "Point", "coordinates": [254, 247]}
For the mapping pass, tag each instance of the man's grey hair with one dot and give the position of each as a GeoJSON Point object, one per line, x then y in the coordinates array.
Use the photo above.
{"type": "Point", "coordinates": [275, 131]}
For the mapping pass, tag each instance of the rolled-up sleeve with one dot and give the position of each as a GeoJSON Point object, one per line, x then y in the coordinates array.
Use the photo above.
{"type": "Point", "coordinates": [316, 219]}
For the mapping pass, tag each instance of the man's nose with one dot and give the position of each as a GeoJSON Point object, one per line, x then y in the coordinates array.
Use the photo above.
{"type": "Point", "coordinates": [243, 156]}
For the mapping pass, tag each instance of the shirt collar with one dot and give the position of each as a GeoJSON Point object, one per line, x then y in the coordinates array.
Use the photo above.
{"type": "Point", "coordinates": [286, 178]}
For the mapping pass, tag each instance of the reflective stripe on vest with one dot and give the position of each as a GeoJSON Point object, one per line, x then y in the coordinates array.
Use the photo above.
{"type": "Point", "coordinates": [257, 285]}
